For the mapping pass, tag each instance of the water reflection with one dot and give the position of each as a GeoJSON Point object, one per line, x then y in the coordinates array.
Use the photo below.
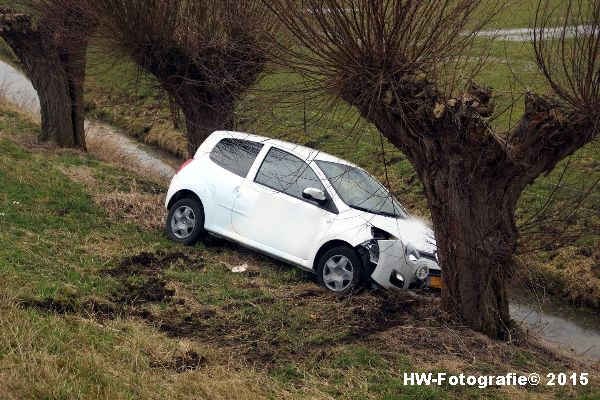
{"type": "Point", "coordinates": [562, 325]}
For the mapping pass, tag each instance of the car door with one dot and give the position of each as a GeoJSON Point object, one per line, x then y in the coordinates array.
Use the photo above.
{"type": "Point", "coordinates": [233, 158]}
{"type": "Point", "coordinates": [270, 211]}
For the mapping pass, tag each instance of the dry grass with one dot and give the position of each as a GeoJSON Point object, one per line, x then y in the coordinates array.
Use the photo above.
{"type": "Point", "coordinates": [15, 108]}
{"type": "Point", "coordinates": [555, 273]}
{"type": "Point", "coordinates": [141, 209]}
{"type": "Point", "coordinates": [120, 359]}
{"type": "Point", "coordinates": [81, 174]}
{"type": "Point", "coordinates": [144, 210]}
{"type": "Point", "coordinates": [166, 137]}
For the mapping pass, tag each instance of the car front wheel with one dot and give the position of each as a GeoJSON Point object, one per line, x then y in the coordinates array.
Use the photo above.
{"type": "Point", "coordinates": [341, 270]}
{"type": "Point", "coordinates": [185, 222]}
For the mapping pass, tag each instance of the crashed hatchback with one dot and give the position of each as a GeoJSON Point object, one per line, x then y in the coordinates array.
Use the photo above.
{"type": "Point", "coordinates": [304, 207]}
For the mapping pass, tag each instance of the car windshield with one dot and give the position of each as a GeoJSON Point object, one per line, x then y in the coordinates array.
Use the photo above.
{"type": "Point", "coordinates": [360, 190]}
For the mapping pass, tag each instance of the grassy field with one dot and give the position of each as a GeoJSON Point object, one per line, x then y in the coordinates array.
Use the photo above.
{"type": "Point", "coordinates": [97, 303]}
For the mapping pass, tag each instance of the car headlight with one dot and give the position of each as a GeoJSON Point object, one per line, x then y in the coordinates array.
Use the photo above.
{"type": "Point", "coordinates": [422, 272]}
{"type": "Point", "coordinates": [411, 252]}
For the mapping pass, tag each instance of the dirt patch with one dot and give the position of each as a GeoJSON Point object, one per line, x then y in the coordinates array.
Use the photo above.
{"type": "Point", "coordinates": [184, 321]}
{"type": "Point", "coordinates": [92, 308]}
{"type": "Point", "coordinates": [55, 306]}
{"type": "Point", "coordinates": [141, 276]}
{"type": "Point", "coordinates": [146, 263]}
{"type": "Point", "coordinates": [180, 361]}
{"type": "Point", "coordinates": [148, 290]}
{"type": "Point", "coordinates": [183, 361]}
{"type": "Point", "coordinates": [189, 360]}
{"type": "Point", "coordinates": [141, 283]}
{"type": "Point", "coordinates": [384, 311]}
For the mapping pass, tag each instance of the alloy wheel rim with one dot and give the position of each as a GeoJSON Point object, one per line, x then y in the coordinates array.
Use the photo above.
{"type": "Point", "coordinates": [338, 273]}
{"type": "Point", "coordinates": [183, 222]}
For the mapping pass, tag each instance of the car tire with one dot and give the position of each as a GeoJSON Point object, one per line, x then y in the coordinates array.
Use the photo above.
{"type": "Point", "coordinates": [185, 222]}
{"type": "Point", "coordinates": [341, 270]}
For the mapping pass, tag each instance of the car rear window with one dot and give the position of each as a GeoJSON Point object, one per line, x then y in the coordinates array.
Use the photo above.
{"type": "Point", "coordinates": [286, 173]}
{"type": "Point", "coordinates": [236, 155]}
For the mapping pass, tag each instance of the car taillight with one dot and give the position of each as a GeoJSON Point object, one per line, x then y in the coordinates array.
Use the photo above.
{"type": "Point", "coordinates": [184, 165]}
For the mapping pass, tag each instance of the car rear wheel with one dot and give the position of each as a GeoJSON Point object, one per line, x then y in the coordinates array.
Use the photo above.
{"type": "Point", "coordinates": [185, 222]}
{"type": "Point", "coordinates": [341, 270]}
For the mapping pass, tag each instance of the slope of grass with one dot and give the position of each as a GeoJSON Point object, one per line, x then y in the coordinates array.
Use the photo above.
{"type": "Point", "coordinates": [95, 304]}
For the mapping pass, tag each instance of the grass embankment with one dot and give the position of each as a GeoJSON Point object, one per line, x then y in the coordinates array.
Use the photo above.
{"type": "Point", "coordinates": [566, 267]}
{"type": "Point", "coordinates": [97, 303]}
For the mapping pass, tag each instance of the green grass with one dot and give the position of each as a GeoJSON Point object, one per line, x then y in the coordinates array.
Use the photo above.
{"type": "Point", "coordinates": [67, 332]}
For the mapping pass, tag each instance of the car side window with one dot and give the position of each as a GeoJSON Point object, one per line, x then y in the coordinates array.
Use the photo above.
{"type": "Point", "coordinates": [236, 155]}
{"type": "Point", "coordinates": [286, 173]}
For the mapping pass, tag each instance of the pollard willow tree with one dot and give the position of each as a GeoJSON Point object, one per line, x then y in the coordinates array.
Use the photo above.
{"type": "Point", "coordinates": [204, 54]}
{"type": "Point", "coordinates": [50, 40]}
{"type": "Point", "coordinates": [399, 62]}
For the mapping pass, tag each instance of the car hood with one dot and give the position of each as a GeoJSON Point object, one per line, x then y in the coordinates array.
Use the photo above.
{"type": "Point", "coordinates": [410, 230]}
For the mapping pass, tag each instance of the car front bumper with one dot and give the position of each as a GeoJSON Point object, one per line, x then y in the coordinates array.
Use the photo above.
{"type": "Point", "coordinates": [395, 271]}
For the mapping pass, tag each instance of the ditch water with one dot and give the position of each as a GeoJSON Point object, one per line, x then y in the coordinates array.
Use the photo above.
{"type": "Point", "coordinates": [560, 325]}
{"type": "Point", "coordinates": [571, 329]}
{"type": "Point", "coordinates": [102, 139]}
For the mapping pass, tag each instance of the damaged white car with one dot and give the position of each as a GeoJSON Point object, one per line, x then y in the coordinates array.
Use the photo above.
{"type": "Point", "coordinates": [302, 206]}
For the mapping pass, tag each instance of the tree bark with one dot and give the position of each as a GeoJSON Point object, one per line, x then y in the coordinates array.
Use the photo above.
{"type": "Point", "coordinates": [200, 122]}
{"type": "Point", "coordinates": [476, 237]}
{"type": "Point", "coordinates": [56, 73]}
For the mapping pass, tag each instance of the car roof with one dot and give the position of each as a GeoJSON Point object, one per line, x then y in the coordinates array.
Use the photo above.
{"type": "Point", "coordinates": [306, 153]}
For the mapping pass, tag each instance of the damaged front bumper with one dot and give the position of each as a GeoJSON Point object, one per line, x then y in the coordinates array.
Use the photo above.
{"type": "Point", "coordinates": [394, 270]}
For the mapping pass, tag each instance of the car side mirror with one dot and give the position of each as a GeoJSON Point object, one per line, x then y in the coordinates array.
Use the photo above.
{"type": "Point", "coordinates": [315, 194]}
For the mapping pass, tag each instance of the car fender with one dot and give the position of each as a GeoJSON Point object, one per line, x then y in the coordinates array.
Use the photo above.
{"type": "Point", "coordinates": [348, 232]}
{"type": "Point", "coordinates": [186, 179]}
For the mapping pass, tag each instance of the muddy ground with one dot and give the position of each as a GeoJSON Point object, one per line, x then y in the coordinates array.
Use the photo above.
{"type": "Point", "coordinates": [299, 323]}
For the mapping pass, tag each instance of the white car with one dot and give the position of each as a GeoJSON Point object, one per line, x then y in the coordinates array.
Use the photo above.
{"type": "Point", "coordinates": [304, 207]}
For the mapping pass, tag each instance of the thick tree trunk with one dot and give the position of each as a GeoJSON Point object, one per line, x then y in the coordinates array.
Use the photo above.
{"type": "Point", "coordinates": [57, 74]}
{"type": "Point", "coordinates": [201, 121]}
{"type": "Point", "coordinates": [466, 179]}
{"type": "Point", "coordinates": [476, 237]}
{"type": "Point", "coordinates": [51, 86]}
